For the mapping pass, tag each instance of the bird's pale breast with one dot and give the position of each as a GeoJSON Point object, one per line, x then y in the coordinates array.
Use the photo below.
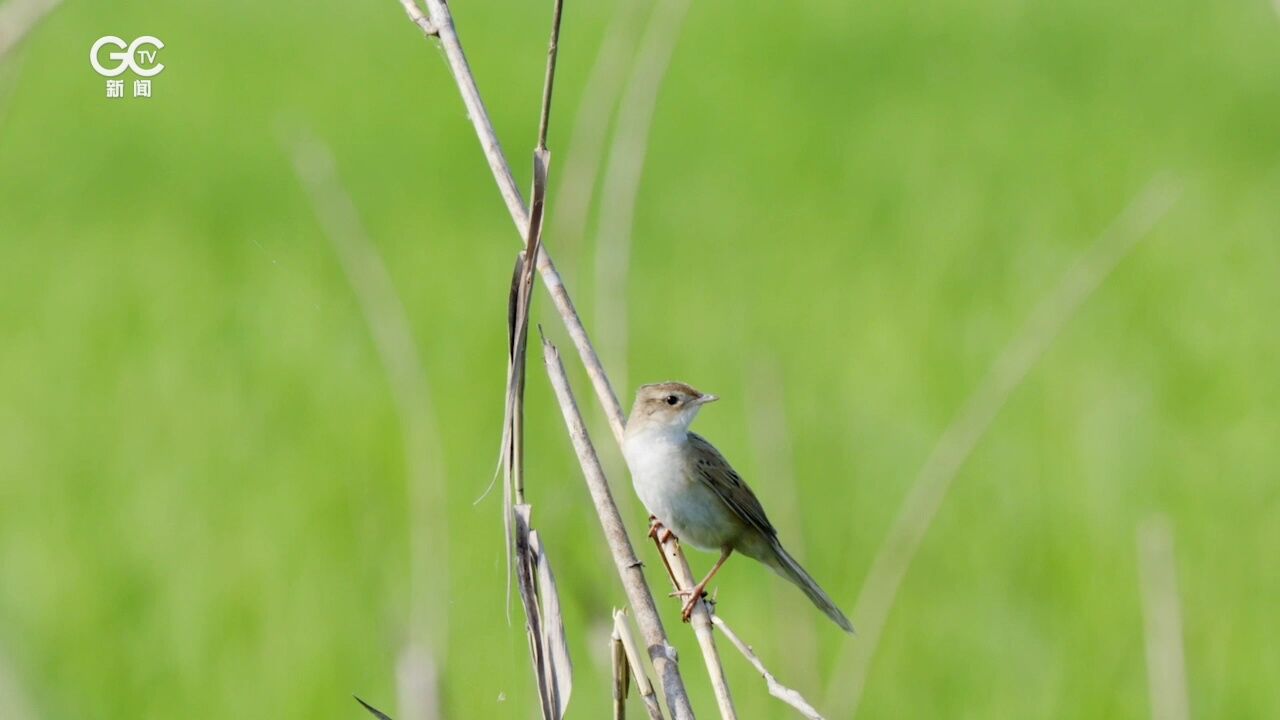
{"type": "Point", "coordinates": [661, 472]}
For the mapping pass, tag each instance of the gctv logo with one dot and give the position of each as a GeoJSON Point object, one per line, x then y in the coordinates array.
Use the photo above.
{"type": "Point", "coordinates": [127, 60]}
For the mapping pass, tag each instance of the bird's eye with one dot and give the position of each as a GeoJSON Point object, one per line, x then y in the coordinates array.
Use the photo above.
{"type": "Point", "coordinates": [672, 399]}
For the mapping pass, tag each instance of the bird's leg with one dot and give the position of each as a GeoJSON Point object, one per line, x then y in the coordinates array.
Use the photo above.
{"type": "Point", "coordinates": [654, 527]}
{"type": "Point", "coordinates": [696, 593]}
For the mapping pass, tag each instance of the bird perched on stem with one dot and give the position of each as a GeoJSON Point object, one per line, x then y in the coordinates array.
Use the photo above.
{"type": "Point", "coordinates": [692, 490]}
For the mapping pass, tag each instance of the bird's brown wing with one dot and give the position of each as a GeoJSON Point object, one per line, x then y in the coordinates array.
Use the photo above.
{"type": "Point", "coordinates": [710, 467]}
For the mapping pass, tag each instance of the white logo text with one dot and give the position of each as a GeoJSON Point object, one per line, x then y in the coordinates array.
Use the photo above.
{"type": "Point", "coordinates": [134, 57]}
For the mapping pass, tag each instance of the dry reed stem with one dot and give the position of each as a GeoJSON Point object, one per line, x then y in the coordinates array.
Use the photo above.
{"type": "Point", "coordinates": [526, 579]}
{"type": "Point", "coordinates": [544, 626]}
{"type": "Point", "coordinates": [621, 675]}
{"type": "Point", "coordinates": [419, 18]}
{"type": "Point", "coordinates": [389, 326]}
{"type": "Point", "coordinates": [1162, 620]}
{"type": "Point", "coordinates": [555, 642]}
{"type": "Point", "coordinates": [586, 148]}
{"type": "Point", "coordinates": [519, 329]}
{"type": "Point", "coordinates": [18, 18]}
{"type": "Point", "coordinates": [622, 631]}
{"type": "Point", "coordinates": [441, 23]}
{"type": "Point", "coordinates": [622, 180]}
{"type": "Point", "coordinates": [521, 295]}
{"type": "Point", "coordinates": [518, 305]}
{"type": "Point", "coordinates": [683, 579]}
{"type": "Point", "coordinates": [629, 567]}
{"type": "Point", "coordinates": [776, 689]}
{"type": "Point", "coordinates": [954, 446]}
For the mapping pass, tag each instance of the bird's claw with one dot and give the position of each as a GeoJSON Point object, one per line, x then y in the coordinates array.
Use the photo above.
{"type": "Point", "coordinates": [687, 611]}
{"type": "Point", "coordinates": [695, 595]}
{"type": "Point", "coordinates": [658, 531]}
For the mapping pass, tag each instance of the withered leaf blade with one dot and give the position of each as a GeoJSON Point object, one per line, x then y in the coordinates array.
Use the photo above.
{"type": "Point", "coordinates": [513, 304]}
{"type": "Point", "coordinates": [372, 710]}
{"type": "Point", "coordinates": [554, 642]}
{"type": "Point", "coordinates": [527, 582]}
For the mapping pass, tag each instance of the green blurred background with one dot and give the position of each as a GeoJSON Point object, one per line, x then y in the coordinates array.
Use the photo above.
{"type": "Point", "coordinates": [848, 209]}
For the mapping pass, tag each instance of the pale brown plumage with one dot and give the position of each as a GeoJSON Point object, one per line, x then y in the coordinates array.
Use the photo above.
{"type": "Point", "coordinates": [691, 488]}
{"type": "Point", "coordinates": [720, 476]}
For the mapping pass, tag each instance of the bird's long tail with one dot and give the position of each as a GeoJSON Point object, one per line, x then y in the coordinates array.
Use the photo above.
{"type": "Point", "coordinates": [786, 566]}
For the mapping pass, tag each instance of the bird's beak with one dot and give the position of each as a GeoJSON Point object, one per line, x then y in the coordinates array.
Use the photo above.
{"type": "Point", "coordinates": [704, 399]}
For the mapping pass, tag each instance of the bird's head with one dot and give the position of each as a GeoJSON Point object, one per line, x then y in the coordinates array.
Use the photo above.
{"type": "Point", "coordinates": [668, 405]}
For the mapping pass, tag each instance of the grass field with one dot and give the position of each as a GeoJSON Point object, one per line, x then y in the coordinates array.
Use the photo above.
{"type": "Point", "coordinates": [203, 501]}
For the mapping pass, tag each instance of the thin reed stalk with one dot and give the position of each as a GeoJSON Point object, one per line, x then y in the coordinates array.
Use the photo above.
{"type": "Point", "coordinates": [622, 631]}
{"type": "Point", "coordinates": [630, 569]}
{"type": "Point", "coordinates": [682, 578]}
{"type": "Point", "coordinates": [544, 624]}
{"type": "Point", "coordinates": [776, 689]}
{"type": "Point", "coordinates": [621, 675]}
{"type": "Point", "coordinates": [438, 23]}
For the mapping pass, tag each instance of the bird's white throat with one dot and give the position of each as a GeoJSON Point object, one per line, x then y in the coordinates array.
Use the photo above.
{"type": "Point", "coordinates": [654, 449]}
{"type": "Point", "coordinates": [655, 456]}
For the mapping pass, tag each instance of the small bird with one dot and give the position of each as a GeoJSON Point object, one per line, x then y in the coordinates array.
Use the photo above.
{"type": "Point", "coordinates": [692, 490]}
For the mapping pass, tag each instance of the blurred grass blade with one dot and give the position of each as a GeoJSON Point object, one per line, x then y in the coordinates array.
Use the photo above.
{"type": "Point", "coordinates": [387, 318]}
{"type": "Point", "coordinates": [1007, 372]}
{"type": "Point", "coordinates": [590, 126]}
{"type": "Point", "coordinates": [18, 18]}
{"type": "Point", "coordinates": [1162, 620]}
{"type": "Point", "coordinates": [418, 684]}
{"type": "Point", "coordinates": [14, 703]}
{"type": "Point", "coordinates": [620, 190]}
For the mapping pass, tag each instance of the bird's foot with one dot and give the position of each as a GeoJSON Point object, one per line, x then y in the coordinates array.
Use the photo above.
{"type": "Point", "coordinates": [695, 595]}
{"type": "Point", "coordinates": [658, 531]}
{"type": "Point", "coordinates": [687, 611]}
